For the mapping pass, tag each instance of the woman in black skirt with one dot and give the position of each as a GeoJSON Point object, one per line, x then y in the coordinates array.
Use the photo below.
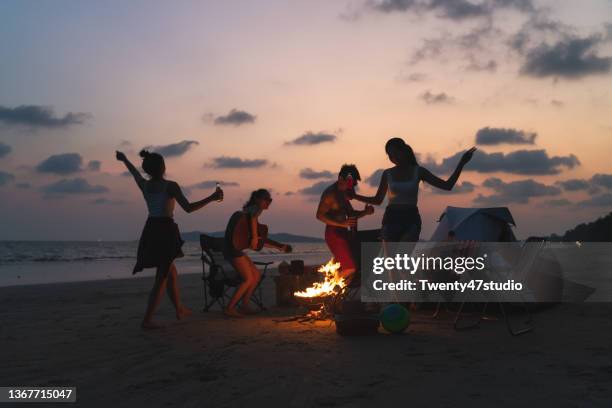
{"type": "Point", "coordinates": [160, 242]}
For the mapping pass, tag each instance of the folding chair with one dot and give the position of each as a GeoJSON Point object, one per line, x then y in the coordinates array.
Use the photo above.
{"type": "Point", "coordinates": [529, 253]}
{"type": "Point", "coordinates": [219, 276]}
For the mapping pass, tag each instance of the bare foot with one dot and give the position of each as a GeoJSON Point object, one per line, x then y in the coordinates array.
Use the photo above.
{"type": "Point", "coordinates": [232, 313]}
{"type": "Point", "coordinates": [151, 326]}
{"type": "Point", "coordinates": [183, 312]}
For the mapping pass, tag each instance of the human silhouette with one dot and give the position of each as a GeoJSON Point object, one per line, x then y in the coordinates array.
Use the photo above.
{"type": "Point", "coordinates": [160, 242]}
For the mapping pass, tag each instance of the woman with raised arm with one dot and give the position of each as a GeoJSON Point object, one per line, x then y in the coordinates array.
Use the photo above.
{"type": "Point", "coordinates": [400, 183]}
{"type": "Point", "coordinates": [243, 227]}
{"type": "Point", "coordinates": [160, 242]}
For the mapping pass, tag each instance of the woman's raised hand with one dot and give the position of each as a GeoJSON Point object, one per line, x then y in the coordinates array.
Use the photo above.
{"type": "Point", "coordinates": [467, 156]}
{"type": "Point", "coordinates": [120, 156]}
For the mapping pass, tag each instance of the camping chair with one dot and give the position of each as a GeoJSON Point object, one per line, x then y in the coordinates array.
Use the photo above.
{"type": "Point", "coordinates": [219, 276]}
{"type": "Point", "coordinates": [529, 253]}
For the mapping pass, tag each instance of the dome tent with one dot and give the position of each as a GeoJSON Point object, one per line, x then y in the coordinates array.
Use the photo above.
{"type": "Point", "coordinates": [475, 224]}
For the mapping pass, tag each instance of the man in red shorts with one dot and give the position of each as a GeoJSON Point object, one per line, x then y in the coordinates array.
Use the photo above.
{"type": "Point", "coordinates": [340, 218]}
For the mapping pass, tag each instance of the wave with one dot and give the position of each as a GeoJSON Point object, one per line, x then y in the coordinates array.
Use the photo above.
{"type": "Point", "coordinates": [12, 253]}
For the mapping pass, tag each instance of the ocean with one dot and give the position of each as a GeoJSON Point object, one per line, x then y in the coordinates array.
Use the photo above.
{"type": "Point", "coordinates": [36, 262]}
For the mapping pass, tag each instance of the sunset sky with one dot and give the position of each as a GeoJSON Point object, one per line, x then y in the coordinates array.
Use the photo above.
{"type": "Point", "coordinates": [280, 94]}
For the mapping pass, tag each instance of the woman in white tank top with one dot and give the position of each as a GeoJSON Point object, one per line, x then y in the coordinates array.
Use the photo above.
{"type": "Point", "coordinates": [160, 242]}
{"type": "Point", "coordinates": [400, 183]}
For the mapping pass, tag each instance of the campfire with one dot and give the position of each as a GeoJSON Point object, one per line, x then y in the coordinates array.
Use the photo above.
{"type": "Point", "coordinates": [331, 284]}
{"type": "Point", "coordinates": [319, 297]}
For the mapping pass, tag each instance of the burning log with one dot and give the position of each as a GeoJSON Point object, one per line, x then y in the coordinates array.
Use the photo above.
{"type": "Point", "coordinates": [332, 282]}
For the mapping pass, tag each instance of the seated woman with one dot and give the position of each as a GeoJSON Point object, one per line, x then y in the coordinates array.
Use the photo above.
{"type": "Point", "coordinates": [160, 242]}
{"type": "Point", "coordinates": [259, 201]}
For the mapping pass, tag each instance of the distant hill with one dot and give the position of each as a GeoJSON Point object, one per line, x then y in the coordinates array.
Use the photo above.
{"type": "Point", "coordinates": [599, 230]}
{"type": "Point", "coordinates": [280, 236]}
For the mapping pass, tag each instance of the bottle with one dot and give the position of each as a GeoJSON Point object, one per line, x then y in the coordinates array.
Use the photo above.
{"type": "Point", "coordinates": [217, 188]}
{"type": "Point", "coordinates": [351, 186]}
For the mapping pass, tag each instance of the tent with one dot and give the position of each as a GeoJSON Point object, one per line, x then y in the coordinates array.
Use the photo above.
{"type": "Point", "coordinates": [477, 224]}
{"type": "Point", "coordinates": [545, 276]}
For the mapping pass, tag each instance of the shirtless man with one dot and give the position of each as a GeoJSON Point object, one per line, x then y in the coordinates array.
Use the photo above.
{"type": "Point", "coordinates": [338, 215]}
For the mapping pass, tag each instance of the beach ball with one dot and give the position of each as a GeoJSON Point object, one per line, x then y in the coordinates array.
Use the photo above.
{"type": "Point", "coordinates": [395, 318]}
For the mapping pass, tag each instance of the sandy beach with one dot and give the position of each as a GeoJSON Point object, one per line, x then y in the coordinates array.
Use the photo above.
{"type": "Point", "coordinates": [87, 334]}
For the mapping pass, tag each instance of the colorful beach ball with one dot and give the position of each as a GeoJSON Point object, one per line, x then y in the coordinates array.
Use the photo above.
{"type": "Point", "coordinates": [395, 318]}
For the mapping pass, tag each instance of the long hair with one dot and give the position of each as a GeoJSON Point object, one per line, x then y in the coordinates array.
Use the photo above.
{"type": "Point", "coordinates": [256, 195]}
{"type": "Point", "coordinates": [398, 144]}
{"type": "Point", "coordinates": [153, 164]}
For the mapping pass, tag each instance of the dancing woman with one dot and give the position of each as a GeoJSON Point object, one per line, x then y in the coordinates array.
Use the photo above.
{"type": "Point", "coordinates": [160, 242]}
{"type": "Point", "coordinates": [400, 183]}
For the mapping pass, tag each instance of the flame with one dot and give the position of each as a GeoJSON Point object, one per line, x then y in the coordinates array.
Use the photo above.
{"type": "Point", "coordinates": [330, 285]}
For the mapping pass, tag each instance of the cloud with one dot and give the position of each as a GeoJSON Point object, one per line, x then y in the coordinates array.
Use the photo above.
{"type": "Point", "coordinates": [94, 165]}
{"type": "Point", "coordinates": [557, 202]}
{"type": "Point", "coordinates": [173, 149]}
{"type": "Point", "coordinates": [486, 66]}
{"type": "Point", "coordinates": [592, 186]}
{"type": "Point", "coordinates": [39, 116]}
{"type": "Point", "coordinates": [213, 183]}
{"type": "Point", "coordinates": [317, 188]}
{"type": "Point", "coordinates": [456, 10]}
{"type": "Point", "coordinates": [374, 179]}
{"type": "Point", "coordinates": [5, 149]}
{"type": "Point", "coordinates": [73, 186]}
{"type": "Point", "coordinates": [460, 188]}
{"type": "Point", "coordinates": [440, 98]}
{"type": "Point", "coordinates": [604, 200]}
{"type": "Point", "coordinates": [391, 6]}
{"type": "Point", "coordinates": [235, 117]}
{"type": "Point", "coordinates": [574, 184]}
{"type": "Point", "coordinates": [106, 201]}
{"type": "Point", "coordinates": [556, 103]}
{"type": "Point", "coordinates": [310, 139]}
{"type": "Point", "coordinates": [514, 192]}
{"type": "Point", "coordinates": [23, 186]}
{"type": "Point", "coordinates": [5, 178]}
{"type": "Point", "coordinates": [226, 162]}
{"type": "Point", "coordinates": [571, 58]}
{"type": "Point", "coordinates": [527, 162]}
{"type": "Point", "coordinates": [495, 136]}
{"type": "Point", "coordinates": [459, 9]}
{"type": "Point", "coordinates": [414, 77]}
{"type": "Point", "coordinates": [311, 174]}
{"type": "Point", "coordinates": [65, 163]}
{"type": "Point", "coordinates": [602, 180]}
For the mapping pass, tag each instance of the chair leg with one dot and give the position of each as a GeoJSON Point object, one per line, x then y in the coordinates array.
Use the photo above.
{"type": "Point", "coordinates": [473, 325]}
{"type": "Point", "coordinates": [205, 290]}
{"type": "Point", "coordinates": [258, 293]}
{"type": "Point", "coordinates": [436, 313]}
{"type": "Point", "coordinates": [512, 331]}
